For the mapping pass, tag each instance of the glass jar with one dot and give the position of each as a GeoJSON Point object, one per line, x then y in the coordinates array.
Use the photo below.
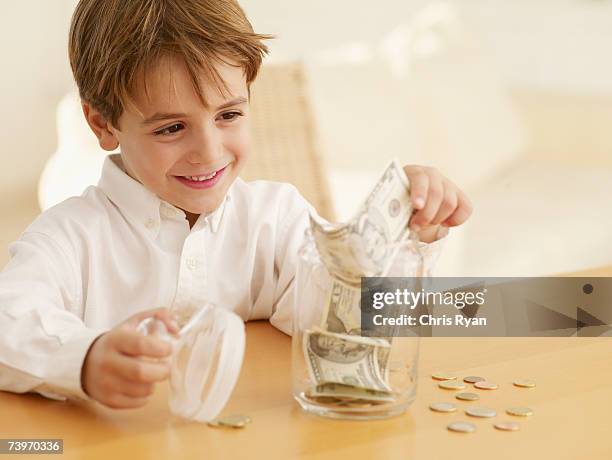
{"type": "Point", "coordinates": [337, 372]}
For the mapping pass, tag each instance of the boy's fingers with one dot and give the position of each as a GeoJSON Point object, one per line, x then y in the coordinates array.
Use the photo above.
{"type": "Point", "coordinates": [435, 195]}
{"type": "Point", "coordinates": [140, 371]}
{"type": "Point", "coordinates": [462, 212]}
{"type": "Point", "coordinates": [419, 184]}
{"type": "Point", "coordinates": [135, 389]}
{"type": "Point", "coordinates": [121, 401]}
{"type": "Point", "coordinates": [448, 206]}
{"type": "Point", "coordinates": [165, 316]}
{"type": "Point", "coordinates": [134, 320]}
{"type": "Point", "coordinates": [134, 344]}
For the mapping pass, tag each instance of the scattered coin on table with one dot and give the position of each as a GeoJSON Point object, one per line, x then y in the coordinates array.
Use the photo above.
{"type": "Point", "coordinates": [473, 379]}
{"type": "Point", "coordinates": [443, 407]}
{"type": "Point", "coordinates": [478, 411]}
{"type": "Point", "coordinates": [524, 383]}
{"type": "Point", "coordinates": [507, 426]}
{"type": "Point", "coordinates": [467, 396]}
{"type": "Point", "coordinates": [461, 427]}
{"type": "Point", "coordinates": [452, 385]}
{"type": "Point", "coordinates": [484, 385]}
{"type": "Point", "coordinates": [231, 421]}
{"type": "Point", "coordinates": [520, 411]}
{"type": "Point", "coordinates": [443, 376]}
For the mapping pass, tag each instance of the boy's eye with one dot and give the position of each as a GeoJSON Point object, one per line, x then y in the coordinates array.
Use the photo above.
{"type": "Point", "coordinates": [231, 116]}
{"type": "Point", "coordinates": [170, 129]}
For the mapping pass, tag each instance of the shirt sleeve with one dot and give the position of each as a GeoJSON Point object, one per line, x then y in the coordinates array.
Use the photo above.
{"type": "Point", "coordinates": [43, 342]}
{"type": "Point", "coordinates": [292, 238]}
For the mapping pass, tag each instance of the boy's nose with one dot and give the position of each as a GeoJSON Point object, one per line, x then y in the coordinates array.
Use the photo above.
{"type": "Point", "coordinates": [206, 148]}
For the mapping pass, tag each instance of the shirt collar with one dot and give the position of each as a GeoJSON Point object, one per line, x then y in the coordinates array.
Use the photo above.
{"type": "Point", "coordinates": [142, 206]}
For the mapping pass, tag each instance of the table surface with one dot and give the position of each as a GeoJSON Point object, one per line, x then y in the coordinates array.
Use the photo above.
{"type": "Point", "coordinates": [572, 404]}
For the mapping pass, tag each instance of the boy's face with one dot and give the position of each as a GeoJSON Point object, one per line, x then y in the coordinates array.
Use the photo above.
{"type": "Point", "coordinates": [177, 137]}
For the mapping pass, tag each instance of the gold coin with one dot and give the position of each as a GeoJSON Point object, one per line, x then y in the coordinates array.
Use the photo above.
{"type": "Point", "coordinates": [507, 426]}
{"type": "Point", "coordinates": [524, 383]}
{"type": "Point", "coordinates": [461, 427]}
{"type": "Point", "coordinates": [473, 379]}
{"type": "Point", "coordinates": [443, 407]}
{"type": "Point", "coordinates": [452, 385]}
{"type": "Point", "coordinates": [480, 412]}
{"type": "Point", "coordinates": [232, 421]}
{"type": "Point", "coordinates": [443, 376]}
{"type": "Point", "coordinates": [467, 396]}
{"type": "Point", "coordinates": [484, 385]}
{"type": "Point", "coordinates": [520, 411]}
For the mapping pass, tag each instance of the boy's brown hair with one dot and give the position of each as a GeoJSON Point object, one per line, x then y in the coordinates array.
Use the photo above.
{"type": "Point", "coordinates": [113, 43]}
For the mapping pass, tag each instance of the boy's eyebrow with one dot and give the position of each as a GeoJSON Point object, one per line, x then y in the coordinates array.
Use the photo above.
{"type": "Point", "coordinates": [167, 115]}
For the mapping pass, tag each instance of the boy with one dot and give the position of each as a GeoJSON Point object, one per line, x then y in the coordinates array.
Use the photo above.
{"type": "Point", "coordinates": [170, 222]}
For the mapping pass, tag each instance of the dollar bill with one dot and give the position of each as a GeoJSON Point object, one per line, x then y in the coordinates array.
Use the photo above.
{"type": "Point", "coordinates": [363, 246]}
{"type": "Point", "coordinates": [339, 360]}
{"type": "Point", "coordinates": [344, 359]}
{"type": "Point", "coordinates": [342, 313]}
{"type": "Point", "coordinates": [341, 392]}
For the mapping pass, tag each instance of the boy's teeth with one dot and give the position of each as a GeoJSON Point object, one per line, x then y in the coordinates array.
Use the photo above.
{"type": "Point", "coordinates": [201, 178]}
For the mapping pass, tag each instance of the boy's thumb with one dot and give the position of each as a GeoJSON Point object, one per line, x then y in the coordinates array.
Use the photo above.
{"type": "Point", "coordinates": [162, 314]}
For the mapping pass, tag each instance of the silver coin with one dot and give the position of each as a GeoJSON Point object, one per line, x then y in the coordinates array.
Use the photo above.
{"type": "Point", "coordinates": [473, 379]}
{"type": "Point", "coordinates": [452, 385]}
{"type": "Point", "coordinates": [479, 411]}
{"type": "Point", "coordinates": [443, 407]}
{"type": "Point", "coordinates": [484, 385]}
{"type": "Point", "coordinates": [507, 426]}
{"type": "Point", "coordinates": [467, 396]}
{"type": "Point", "coordinates": [461, 427]}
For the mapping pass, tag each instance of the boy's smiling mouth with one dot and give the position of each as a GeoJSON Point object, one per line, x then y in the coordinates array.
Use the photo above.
{"type": "Point", "coordinates": [202, 181]}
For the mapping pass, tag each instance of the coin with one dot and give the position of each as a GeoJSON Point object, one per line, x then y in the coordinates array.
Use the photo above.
{"type": "Point", "coordinates": [507, 426]}
{"type": "Point", "coordinates": [484, 385]}
{"type": "Point", "coordinates": [467, 396]}
{"type": "Point", "coordinates": [478, 411]}
{"type": "Point", "coordinates": [443, 407]}
{"type": "Point", "coordinates": [524, 383]}
{"type": "Point", "coordinates": [232, 421]}
{"type": "Point", "coordinates": [452, 385]}
{"type": "Point", "coordinates": [520, 411]}
{"type": "Point", "coordinates": [461, 427]}
{"type": "Point", "coordinates": [443, 376]}
{"type": "Point", "coordinates": [473, 379]}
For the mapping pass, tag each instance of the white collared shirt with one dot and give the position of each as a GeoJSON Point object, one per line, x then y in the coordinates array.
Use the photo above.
{"type": "Point", "coordinates": [90, 262]}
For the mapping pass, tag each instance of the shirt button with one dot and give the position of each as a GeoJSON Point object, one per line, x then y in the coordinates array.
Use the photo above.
{"type": "Point", "coordinates": [168, 213]}
{"type": "Point", "coordinates": [150, 224]}
{"type": "Point", "coordinates": [191, 263]}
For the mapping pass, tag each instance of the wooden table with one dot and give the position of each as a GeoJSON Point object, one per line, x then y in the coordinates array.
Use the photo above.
{"type": "Point", "coordinates": [572, 404]}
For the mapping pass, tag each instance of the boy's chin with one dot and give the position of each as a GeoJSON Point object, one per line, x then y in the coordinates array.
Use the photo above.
{"type": "Point", "coordinates": [205, 207]}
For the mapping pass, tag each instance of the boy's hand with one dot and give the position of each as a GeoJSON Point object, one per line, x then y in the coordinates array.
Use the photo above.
{"type": "Point", "coordinates": [438, 202]}
{"type": "Point", "coordinates": [114, 372]}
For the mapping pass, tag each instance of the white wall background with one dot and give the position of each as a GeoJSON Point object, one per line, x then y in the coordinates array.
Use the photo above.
{"type": "Point", "coordinates": [552, 46]}
{"type": "Point", "coordinates": [35, 75]}
{"type": "Point", "coordinates": [556, 44]}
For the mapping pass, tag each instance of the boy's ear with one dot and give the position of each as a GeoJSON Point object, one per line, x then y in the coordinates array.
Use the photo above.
{"type": "Point", "coordinates": [101, 128]}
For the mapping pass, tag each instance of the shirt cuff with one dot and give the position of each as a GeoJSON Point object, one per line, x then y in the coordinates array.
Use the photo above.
{"type": "Point", "coordinates": [431, 251]}
{"type": "Point", "coordinates": [65, 376]}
